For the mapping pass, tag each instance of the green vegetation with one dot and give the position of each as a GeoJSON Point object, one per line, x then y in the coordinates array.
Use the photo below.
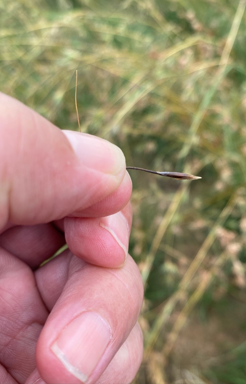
{"type": "Point", "coordinates": [166, 81]}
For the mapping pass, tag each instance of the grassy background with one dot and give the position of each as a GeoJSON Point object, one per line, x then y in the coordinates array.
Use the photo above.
{"type": "Point", "coordinates": [166, 81]}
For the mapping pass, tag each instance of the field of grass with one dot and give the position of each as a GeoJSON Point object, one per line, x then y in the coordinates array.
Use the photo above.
{"type": "Point", "coordinates": [166, 82]}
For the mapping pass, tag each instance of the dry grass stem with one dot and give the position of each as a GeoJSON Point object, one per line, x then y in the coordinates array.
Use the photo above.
{"type": "Point", "coordinates": [76, 101]}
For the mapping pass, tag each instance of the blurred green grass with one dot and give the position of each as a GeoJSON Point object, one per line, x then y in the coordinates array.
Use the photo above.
{"type": "Point", "coordinates": [166, 81]}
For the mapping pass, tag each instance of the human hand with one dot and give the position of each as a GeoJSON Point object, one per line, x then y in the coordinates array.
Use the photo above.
{"type": "Point", "coordinates": [78, 312]}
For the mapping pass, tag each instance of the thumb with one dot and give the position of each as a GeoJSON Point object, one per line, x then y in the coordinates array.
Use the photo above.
{"type": "Point", "coordinates": [46, 173]}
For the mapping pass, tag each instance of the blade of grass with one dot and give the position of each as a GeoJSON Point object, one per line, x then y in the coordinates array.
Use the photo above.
{"type": "Point", "coordinates": [220, 74]}
{"type": "Point", "coordinates": [190, 304]}
{"type": "Point", "coordinates": [184, 284]}
{"type": "Point", "coordinates": [76, 102]}
{"type": "Point", "coordinates": [165, 223]}
{"type": "Point", "coordinates": [195, 125]}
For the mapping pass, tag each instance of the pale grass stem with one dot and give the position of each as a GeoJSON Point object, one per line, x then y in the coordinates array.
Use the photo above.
{"type": "Point", "coordinates": [76, 103]}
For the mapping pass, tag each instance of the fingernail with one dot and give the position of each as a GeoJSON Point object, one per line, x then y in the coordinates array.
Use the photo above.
{"type": "Point", "coordinates": [118, 227]}
{"type": "Point", "coordinates": [82, 343]}
{"type": "Point", "coordinates": [97, 153]}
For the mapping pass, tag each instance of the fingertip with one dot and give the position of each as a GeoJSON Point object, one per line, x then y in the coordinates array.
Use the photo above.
{"type": "Point", "coordinates": [113, 203]}
{"type": "Point", "coordinates": [49, 177]}
{"type": "Point", "coordinates": [97, 153]}
{"type": "Point", "coordinates": [99, 241]}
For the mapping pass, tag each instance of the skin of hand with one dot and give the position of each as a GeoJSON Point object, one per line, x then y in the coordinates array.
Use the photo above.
{"type": "Point", "coordinates": [73, 320]}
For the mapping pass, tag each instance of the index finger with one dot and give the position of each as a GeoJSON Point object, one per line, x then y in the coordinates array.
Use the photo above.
{"type": "Point", "coordinates": [47, 174]}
